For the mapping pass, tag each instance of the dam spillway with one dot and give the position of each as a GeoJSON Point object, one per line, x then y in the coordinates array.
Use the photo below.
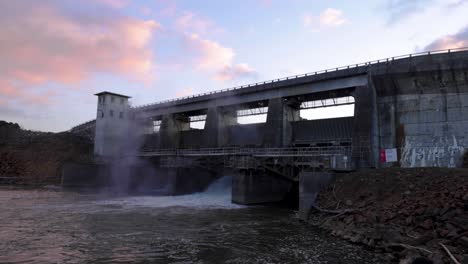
{"type": "Point", "coordinates": [416, 105]}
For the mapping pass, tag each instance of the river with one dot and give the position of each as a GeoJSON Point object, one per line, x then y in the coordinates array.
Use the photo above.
{"type": "Point", "coordinates": [53, 226]}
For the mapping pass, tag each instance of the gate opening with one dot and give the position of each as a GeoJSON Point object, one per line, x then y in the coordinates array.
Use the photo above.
{"type": "Point", "coordinates": [328, 108]}
{"type": "Point", "coordinates": [197, 122]}
{"type": "Point", "coordinates": [252, 115]}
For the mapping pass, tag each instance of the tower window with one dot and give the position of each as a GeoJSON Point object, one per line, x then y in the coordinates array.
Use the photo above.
{"type": "Point", "coordinates": [121, 100]}
{"type": "Point", "coordinates": [111, 112]}
{"type": "Point", "coordinates": [112, 99]}
{"type": "Point", "coordinates": [102, 114]}
{"type": "Point", "coordinates": [121, 114]}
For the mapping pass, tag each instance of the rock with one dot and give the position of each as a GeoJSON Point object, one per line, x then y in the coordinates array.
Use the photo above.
{"type": "Point", "coordinates": [443, 211]}
{"type": "Point", "coordinates": [464, 241]}
{"type": "Point", "coordinates": [371, 218]}
{"type": "Point", "coordinates": [437, 258]}
{"type": "Point", "coordinates": [453, 233]}
{"type": "Point", "coordinates": [465, 259]}
{"type": "Point", "coordinates": [360, 219]}
{"type": "Point", "coordinates": [356, 238]}
{"type": "Point", "coordinates": [420, 211]}
{"type": "Point", "coordinates": [349, 203]}
{"type": "Point", "coordinates": [465, 198]}
{"type": "Point", "coordinates": [427, 224]}
{"type": "Point", "coordinates": [409, 220]}
{"type": "Point", "coordinates": [349, 219]}
{"type": "Point", "coordinates": [443, 232]}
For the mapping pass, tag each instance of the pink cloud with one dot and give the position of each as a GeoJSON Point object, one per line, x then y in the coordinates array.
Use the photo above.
{"type": "Point", "coordinates": [19, 94]}
{"type": "Point", "coordinates": [458, 40]}
{"type": "Point", "coordinates": [216, 59]}
{"type": "Point", "coordinates": [330, 17]}
{"type": "Point", "coordinates": [42, 44]}
{"type": "Point", "coordinates": [241, 70]}
{"type": "Point", "coordinates": [209, 55]}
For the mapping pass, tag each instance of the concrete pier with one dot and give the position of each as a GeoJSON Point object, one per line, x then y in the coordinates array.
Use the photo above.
{"type": "Point", "coordinates": [253, 187]}
{"type": "Point", "coordinates": [310, 184]}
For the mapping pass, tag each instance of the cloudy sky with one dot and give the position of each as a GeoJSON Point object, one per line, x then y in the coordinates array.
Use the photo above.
{"type": "Point", "coordinates": [55, 54]}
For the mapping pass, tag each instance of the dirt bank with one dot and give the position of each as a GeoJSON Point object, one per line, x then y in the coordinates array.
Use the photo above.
{"type": "Point", "coordinates": [404, 213]}
{"type": "Point", "coordinates": [31, 157]}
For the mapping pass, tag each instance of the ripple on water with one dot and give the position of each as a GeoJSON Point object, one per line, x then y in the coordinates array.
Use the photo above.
{"type": "Point", "coordinates": [199, 228]}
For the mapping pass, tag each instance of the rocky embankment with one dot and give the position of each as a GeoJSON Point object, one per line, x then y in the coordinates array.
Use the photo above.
{"type": "Point", "coordinates": [28, 157]}
{"type": "Point", "coordinates": [407, 214]}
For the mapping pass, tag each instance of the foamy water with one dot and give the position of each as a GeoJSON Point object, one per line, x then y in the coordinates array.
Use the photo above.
{"type": "Point", "coordinates": [217, 196]}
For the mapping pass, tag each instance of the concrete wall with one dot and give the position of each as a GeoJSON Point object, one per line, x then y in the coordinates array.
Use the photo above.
{"type": "Point", "coordinates": [429, 130]}
{"type": "Point", "coordinates": [426, 118]}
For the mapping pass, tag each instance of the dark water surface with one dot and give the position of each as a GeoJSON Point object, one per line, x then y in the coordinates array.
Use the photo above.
{"type": "Point", "coordinates": [44, 226]}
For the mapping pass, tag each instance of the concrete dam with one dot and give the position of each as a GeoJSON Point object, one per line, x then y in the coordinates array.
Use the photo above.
{"type": "Point", "coordinates": [409, 111]}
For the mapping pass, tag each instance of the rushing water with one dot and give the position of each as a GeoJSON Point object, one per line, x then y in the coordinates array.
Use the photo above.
{"type": "Point", "coordinates": [46, 226]}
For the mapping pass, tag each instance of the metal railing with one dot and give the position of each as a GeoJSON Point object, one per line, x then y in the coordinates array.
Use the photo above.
{"type": "Point", "coordinates": [257, 152]}
{"type": "Point", "coordinates": [347, 67]}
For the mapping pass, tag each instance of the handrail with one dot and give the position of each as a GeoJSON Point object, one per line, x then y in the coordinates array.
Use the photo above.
{"type": "Point", "coordinates": [347, 67]}
{"type": "Point", "coordinates": [248, 151]}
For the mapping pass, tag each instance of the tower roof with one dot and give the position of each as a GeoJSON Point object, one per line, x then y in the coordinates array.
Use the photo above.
{"type": "Point", "coordinates": [110, 93]}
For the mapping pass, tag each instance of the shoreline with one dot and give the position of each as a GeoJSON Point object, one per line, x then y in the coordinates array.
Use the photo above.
{"type": "Point", "coordinates": [407, 214]}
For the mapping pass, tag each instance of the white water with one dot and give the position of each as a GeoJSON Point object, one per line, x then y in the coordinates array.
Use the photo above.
{"type": "Point", "coordinates": [216, 196]}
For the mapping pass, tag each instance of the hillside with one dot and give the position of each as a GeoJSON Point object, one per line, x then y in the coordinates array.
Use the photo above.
{"type": "Point", "coordinates": [36, 157]}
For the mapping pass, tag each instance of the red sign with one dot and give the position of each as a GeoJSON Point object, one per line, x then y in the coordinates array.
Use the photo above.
{"type": "Point", "coordinates": [383, 157]}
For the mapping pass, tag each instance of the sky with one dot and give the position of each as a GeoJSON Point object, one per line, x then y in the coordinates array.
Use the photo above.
{"type": "Point", "coordinates": [56, 54]}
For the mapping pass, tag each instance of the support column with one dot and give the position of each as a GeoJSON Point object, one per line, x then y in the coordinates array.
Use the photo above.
{"type": "Point", "coordinates": [216, 127]}
{"type": "Point", "coordinates": [365, 132]}
{"type": "Point", "coordinates": [255, 187]}
{"type": "Point", "coordinates": [171, 125]}
{"type": "Point", "coordinates": [278, 128]}
{"type": "Point", "coordinates": [310, 184]}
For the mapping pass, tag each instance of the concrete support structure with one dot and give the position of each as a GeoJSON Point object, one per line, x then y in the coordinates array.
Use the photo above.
{"type": "Point", "coordinates": [365, 131]}
{"type": "Point", "coordinates": [218, 119]}
{"type": "Point", "coordinates": [278, 127]}
{"type": "Point", "coordinates": [255, 187]}
{"type": "Point", "coordinates": [310, 184]}
{"type": "Point", "coordinates": [171, 126]}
